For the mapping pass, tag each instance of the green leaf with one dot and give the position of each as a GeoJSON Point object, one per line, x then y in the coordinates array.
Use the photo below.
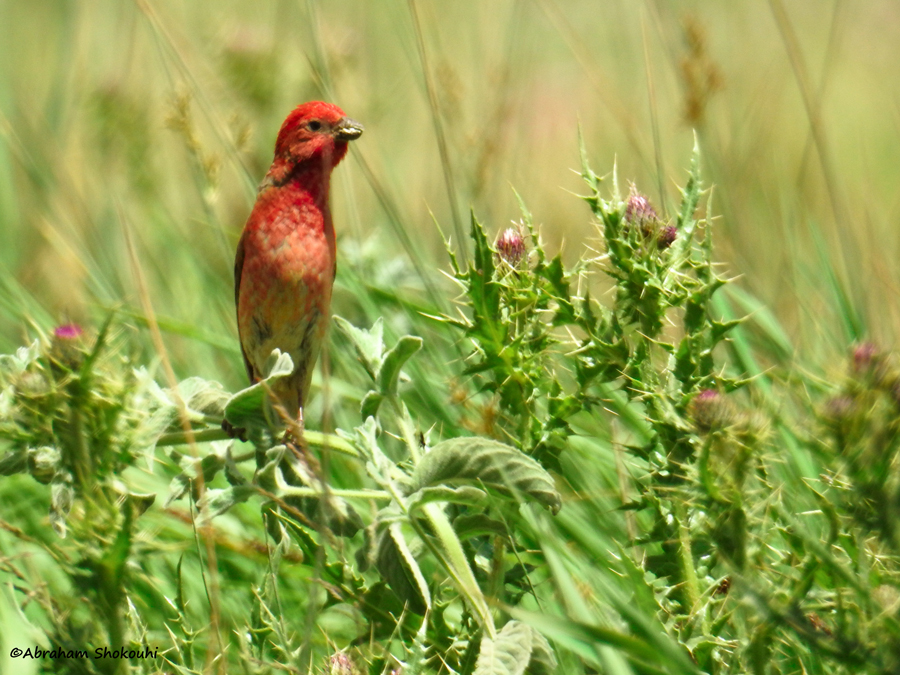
{"type": "Point", "coordinates": [543, 659]}
{"type": "Point", "coordinates": [465, 494]}
{"type": "Point", "coordinates": [518, 649]}
{"type": "Point", "coordinates": [555, 274]}
{"type": "Point", "coordinates": [13, 462]}
{"type": "Point", "coordinates": [209, 466]}
{"type": "Point", "coordinates": [477, 525]}
{"type": "Point", "coordinates": [482, 461]}
{"type": "Point", "coordinates": [378, 465]}
{"type": "Point", "coordinates": [389, 372]}
{"type": "Point", "coordinates": [370, 404]}
{"type": "Point", "coordinates": [12, 365]}
{"type": "Point", "coordinates": [398, 567]}
{"type": "Point", "coordinates": [248, 406]}
{"type": "Point", "coordinates": [204, 396]}
{"type": "Point", "coordinates": [369, 344]}
{"type": "Point", "coordinates": [217, 502]}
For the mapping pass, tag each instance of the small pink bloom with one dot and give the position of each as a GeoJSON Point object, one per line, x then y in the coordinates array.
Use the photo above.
{"type": "Point", "coordinates": [511, 246]}
{"type": "Point", "coordinates": [69, 331]}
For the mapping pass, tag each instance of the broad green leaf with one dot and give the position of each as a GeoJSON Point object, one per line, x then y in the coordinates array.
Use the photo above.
{"type": "Point", "coordinates": [482, 461]}
{"type": "Point", "coordinates": [511, 652]}
{"type": "Point", "coordinates": [248, 406]}
{"type": "Point", "coordinates": [477, 525]}
{"type": "Point", "coordinates": [543, 659]}
{"type": "Point", "coordinates": [370, 404]}
{"type": "Point", "coordinates": [389, 372]}
{"type": "Point", "coordinates": [398, 567]}
{"type": "Point", "coordinates": [204, 396]}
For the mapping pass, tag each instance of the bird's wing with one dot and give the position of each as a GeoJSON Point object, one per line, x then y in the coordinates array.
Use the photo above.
{"type": "Point", "coordinates": [238, 270]}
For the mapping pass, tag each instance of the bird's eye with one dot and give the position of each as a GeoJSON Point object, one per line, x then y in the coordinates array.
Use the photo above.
{"type": "Point", "coordinates": [315, 125]}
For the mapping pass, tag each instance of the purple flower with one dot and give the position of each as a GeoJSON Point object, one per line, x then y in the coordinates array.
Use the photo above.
{"type": "Point", "coordinates": [638, 208]}
{"type": "Point", "coordinates": [68, 331]}
{"type": "Point", "coordinates": [511, 246]}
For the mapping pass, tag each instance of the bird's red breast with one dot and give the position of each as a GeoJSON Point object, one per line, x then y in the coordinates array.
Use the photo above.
{"type": "Point", "coordinates": [285, 263]}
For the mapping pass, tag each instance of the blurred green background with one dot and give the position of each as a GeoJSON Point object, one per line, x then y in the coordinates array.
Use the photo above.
{"type": "Point", "coordinates": [158, 118]}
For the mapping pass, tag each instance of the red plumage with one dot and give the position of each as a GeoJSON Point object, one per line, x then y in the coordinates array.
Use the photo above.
{"type": "Point", "coordinates": [285, 263]}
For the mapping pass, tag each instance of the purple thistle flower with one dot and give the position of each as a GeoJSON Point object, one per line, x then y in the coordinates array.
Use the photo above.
{"type": "Point", "coordinates": [69, 331]}
{"type": "Point", "coordinates": [511, 246]}
{"type": "Point", "coordinates": [638, 208]}
{"type": "Point", "coordinates": [67, 346]}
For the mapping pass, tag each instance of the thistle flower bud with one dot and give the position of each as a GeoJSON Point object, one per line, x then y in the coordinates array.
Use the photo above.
{"type": "Point", "coordinates": [43, 463]}
{"type": "Point", "coordinates": [511, 247]}
{"type": "Point", "coordinates": [864, 356]}
{"type": "Point", "coordinates": [710, 410]}
{"type": "Point", "coordinates": [638, 208]}
{"type": "Point", "coordinates": [341, 665]}
{"type": "Point", "coordinates": [666, 237]}
{"type": "Point", "coordinates": [877, 368]}
{"type": "Point", "coordinates": [67, 347]}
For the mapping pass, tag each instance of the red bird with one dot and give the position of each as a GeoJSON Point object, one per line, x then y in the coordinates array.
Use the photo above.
{"type": "Point", "coordinates": [285, 263]}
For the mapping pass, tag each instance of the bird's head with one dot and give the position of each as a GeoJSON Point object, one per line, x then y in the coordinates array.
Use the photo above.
{"type": "Point", "coordinates": [315, 133]}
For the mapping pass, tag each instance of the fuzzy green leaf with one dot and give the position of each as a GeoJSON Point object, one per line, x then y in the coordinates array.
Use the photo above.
{"type": "Point", "coordinates": [248, 406]}
{"type": "Point", "coordinates": [369, 344]}
{"type": "Point", "coordinates": [482, 461]}
{"type": "Point", "coordinates": [370, 404]}
{"type": "Point", "coordinates": [517, 650]}
{"type": "Point", "coordinates": [394, 360]}
{"type": "Point", "coordinates": [398, 567]}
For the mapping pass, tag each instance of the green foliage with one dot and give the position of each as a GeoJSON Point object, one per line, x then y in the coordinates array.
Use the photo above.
{"type": "Point", "coordinates": [635, 504]}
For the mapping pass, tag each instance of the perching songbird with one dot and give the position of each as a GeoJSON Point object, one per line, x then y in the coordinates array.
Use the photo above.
{"type": "Point", "coordinates": [285, 264]}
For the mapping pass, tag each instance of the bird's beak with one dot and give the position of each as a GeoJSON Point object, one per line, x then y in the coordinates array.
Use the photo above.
{"type": "Point", "coordinates": [347, 130]}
